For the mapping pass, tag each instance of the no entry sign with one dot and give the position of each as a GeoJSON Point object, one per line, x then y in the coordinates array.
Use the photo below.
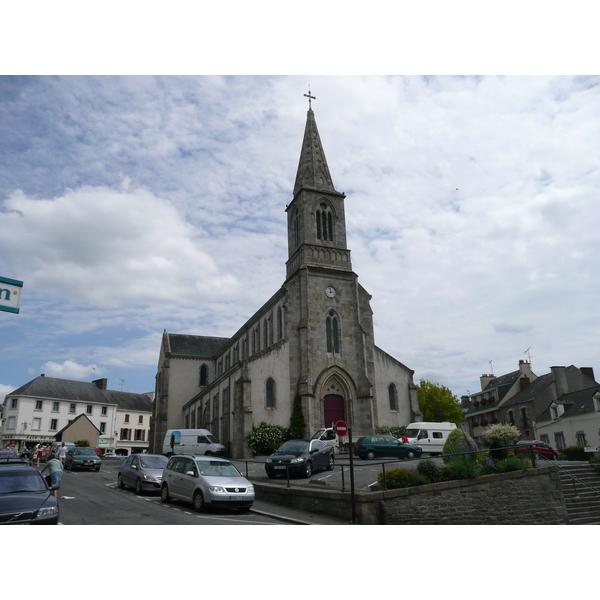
{"type": "Point", "coordinates": [341, 428]}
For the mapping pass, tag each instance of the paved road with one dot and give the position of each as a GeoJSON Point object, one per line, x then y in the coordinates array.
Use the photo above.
{"type": "Point", "coordinates": [90, 498]}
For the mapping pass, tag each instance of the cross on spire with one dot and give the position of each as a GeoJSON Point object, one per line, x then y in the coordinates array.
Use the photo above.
{"type": "Point", "coordinates": [309, 97]}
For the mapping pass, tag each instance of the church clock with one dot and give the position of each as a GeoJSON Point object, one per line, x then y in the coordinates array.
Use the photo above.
{"type": "Point", "coordinates": [330, 291]}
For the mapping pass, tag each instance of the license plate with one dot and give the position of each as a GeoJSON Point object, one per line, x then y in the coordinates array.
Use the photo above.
{"type": "Point", "coordinates": [279, 467]}
{"type": "Point", "coordinates": [236, 497]}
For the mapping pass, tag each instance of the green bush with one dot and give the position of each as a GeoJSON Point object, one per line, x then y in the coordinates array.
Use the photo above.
{"type": "Point", "coordinates": [297, 427]}
{"type": "Point", "coordinates": [395, 478]}
{"type": "Point", "coordinates": [575, 453]}
{"type": "Point", "coordinates": [498, 450]}
{"type": "Point", "coordinates": [429, 470]}
{"type": "Point", "coordinates": [459, 441]}
{"type": "Point", "coordinates": [82, 444]}
{"type": "Point", "coordinates": [513, 463]}
{"type": "Point", "coordinates": [397, 432]}
{"type": "Point", "coordinates": [459, 468]}
{"type": "Point", "coordinates": [417, 479]}
{"type": "Point", "coordinates": [265, 439]}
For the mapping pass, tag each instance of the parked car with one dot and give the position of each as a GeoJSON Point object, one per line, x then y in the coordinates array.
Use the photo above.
{"type": "Point", "coordinates": [143, 472]}
{"type": "Point", "coordinates": [205, 481]}
{"type": "Point", "coordinates": [82, 458]}
{"type": "Point", "coordinates": [301, 458]}
{"type": "Point", "coordinates": [9, 453]}
{"type": "Point", "coordinates": [25, 498]}
{"type": "Point", "coordinates": [379, 446]}
{"type": "Point", "coordinates": [541, 449]}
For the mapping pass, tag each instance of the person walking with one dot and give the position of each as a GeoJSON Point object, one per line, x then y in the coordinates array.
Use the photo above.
{"type": "Point", "coordinates": [39, 451]}
{"type": "Point", "coordinates": [56, 470]}
{"type": "Point", "coordinates": [62, 453]}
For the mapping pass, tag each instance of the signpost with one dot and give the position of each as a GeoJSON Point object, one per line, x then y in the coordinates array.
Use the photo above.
{"type": "Point", "coordinates": [342, 429]}
{"type": "Point", "coordinates": [10, 294]}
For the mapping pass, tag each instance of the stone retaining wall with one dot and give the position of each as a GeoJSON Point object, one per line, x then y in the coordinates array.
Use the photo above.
{"type": "Point", "coordinates": [532, 497]}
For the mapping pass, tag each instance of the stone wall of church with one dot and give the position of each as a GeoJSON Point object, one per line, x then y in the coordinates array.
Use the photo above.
{"type": "Point", "coordinates": [389, 371]}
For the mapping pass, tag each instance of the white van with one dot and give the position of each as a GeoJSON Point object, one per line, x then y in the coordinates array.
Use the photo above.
{"type": "Point", "coordinates": [191, 441]}
{"type": "Point", "coordinates": [430, 436]}
{"type": "Point", "coordinates": [328, 436]}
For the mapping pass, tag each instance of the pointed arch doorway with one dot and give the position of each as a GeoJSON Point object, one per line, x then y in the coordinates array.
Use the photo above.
{"type": "Point", "coordinates": [333, 409]}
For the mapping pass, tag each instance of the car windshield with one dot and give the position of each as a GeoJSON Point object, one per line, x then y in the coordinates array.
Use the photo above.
{"type": "Point", "coordinates": [11, 483]}
{"type": "Point", "coordinates": [412, 433]}
{"type": "Point", "coordinates": [212, 439]}
{"type": "Point", "coordinates": [217, 468]}
{"type": "Point", "coordinates": [154, 462]}
{"type": "Point", "coordinates": [294, 446]}
{"type": "Point", "coordinates": [84, 451]}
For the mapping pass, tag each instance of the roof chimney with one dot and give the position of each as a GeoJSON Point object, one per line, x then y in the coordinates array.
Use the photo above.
{"type": "Point", "coordinates": [525, 383]}
{"type": "Point", "coordinates": [101, 383]}
{"type": "Point", "coordinates": [485, 380]}
{"type": "Point", "coordinates": [559, 374]}
{"type": "Point", "coordinates": [589, 372]}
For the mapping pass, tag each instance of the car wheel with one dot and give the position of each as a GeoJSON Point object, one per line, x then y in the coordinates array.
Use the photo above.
{"type": "Point", "coordinates": [97, 469]}
{"type": "Point", "coordinates": [198, 501]}
{"type": "Point", "coordinates": [410, 454]}
{"type": "Point", "coordinates": [271, 475]}
{"type": "Point", "coordinates": [371, 455]}
{"type": "Point", "coordinates": [120, 483]}
{"type": "Point", "coordinates": [555, 457]}
{"type": "Point", "coordinates": [138, 487]}
{"type": "Point", "coordinates": [308, 469]}
{"type": "Point", "coordinates": [330, 465]}
{"type": "Point", "coordinates": [208, 453]}
{"type": "Point", "coordinates": [164, 494]}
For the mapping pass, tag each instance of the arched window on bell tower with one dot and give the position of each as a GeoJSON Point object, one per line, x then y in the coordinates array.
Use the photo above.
{"type": "Point", "coordinates": [332, 331]}
{"type": "Point", "coordinates": [324, 222]}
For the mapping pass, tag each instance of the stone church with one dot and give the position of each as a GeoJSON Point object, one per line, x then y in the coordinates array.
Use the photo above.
{"type": "Point", "coordinates": [312, 339]}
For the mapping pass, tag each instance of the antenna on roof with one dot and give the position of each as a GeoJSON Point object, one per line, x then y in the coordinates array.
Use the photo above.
{"type": "Point", "coordinates": [121, 382]}
{"type": "Point", "coordinates": [528, 354]}
{"type": "Point", "coordinates": [491, 368]}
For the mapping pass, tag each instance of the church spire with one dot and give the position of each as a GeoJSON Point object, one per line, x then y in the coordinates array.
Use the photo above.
{"type": "Point", "coordinates": [313, 171]}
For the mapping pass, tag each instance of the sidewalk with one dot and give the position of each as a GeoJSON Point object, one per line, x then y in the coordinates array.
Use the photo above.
{"type": "Point", "coordinates": [293, 515]}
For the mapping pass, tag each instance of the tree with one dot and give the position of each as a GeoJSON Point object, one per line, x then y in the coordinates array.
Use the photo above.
{"type": "Point", "coordinates": [297, 422]}
{"type": "Point", "coordinates": [438, 403]}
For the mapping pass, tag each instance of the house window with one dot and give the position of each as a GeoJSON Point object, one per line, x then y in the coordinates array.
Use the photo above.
{"type": "Point", "coordinates": [393, 394]}
{"type": "Point", "coordinates": [11, 423]}
{"type": "Point", "coordinates": [38, 405]}
{"type": "Point", "coordinates": [270, 392]}
{"type": "Point", "coordinates": [331, 329]}
{"type": "Point", "coordinates": [141, 419]}
{"type": "Point", "coordinates": [53, 424]}
{"type": "Point", "coordinates": [88, 410]}
{"type": "Point", "coordinates": [545, 439]}
{"type": "Point", "coordinates": [126, 418]}
{"type": "Point", "coordinates": [102, 428]}
{"type": "Point", "coordinates": [55, 407]}
{"type": "Point", "coordinates": [104, 411]}
{"type": "Point", "coordinates": [581, 440]}
{"type": "Point", "coordinates": [125, 434]}
{"type": "Point", "coordinates": [203, 375]}
{"type": "Point", "coordinates": [511, 417]}
{"type": "Point", "coordinates": [36, 424]}
{"type": "Point", "coordinates": [559, 440]}
{"type": "Point", "coordinates": [524, 417]}
{"type": "Point", "coordinates": [14, 403]}
{"type": "Point", "coordinates": [139, 435]}
{"type": "Point", "coordinates": [72, 408]}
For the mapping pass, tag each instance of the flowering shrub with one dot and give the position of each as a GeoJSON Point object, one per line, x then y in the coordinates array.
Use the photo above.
{"type": "Point", "coordinates": [395, 478]}
{"type": "Point", "coordinates": [505, 434]}
{"type": "Point", "coordinates": [458, 441]}
{"type": "Point", "coordinates": [266, 438]}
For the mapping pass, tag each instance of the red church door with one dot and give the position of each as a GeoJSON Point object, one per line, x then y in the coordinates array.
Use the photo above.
{"type": "Point", "coordinates": [333, 409]}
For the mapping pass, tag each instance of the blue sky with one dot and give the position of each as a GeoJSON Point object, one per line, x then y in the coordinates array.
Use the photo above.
{"type": "Point", "coordinates": [134, 204]}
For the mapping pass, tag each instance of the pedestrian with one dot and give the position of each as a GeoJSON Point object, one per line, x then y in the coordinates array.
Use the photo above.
{"type": "Point", "coordinates": [404, 439]}
{"type": "Point", "coordinates": [56, 470]}
{"type": "Point", "coordinates": [39, 451]}
{"type": "Point", "coordinates": [62, 453]}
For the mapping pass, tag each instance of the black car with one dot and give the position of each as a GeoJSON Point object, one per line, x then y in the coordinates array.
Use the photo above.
{"type": "Point", "coordinates": [82, 458]}
{"type": "Point", "coordinates": [301, 458]}
{"type": "Point", "coordinates": [25, 498]}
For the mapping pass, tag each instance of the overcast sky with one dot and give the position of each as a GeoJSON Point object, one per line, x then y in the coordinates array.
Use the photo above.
{"type": "Point", "coordinates": [130, 205]}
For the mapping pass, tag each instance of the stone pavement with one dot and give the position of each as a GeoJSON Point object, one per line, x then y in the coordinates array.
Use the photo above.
{"type": "Point", "coordinates": [293, 515]}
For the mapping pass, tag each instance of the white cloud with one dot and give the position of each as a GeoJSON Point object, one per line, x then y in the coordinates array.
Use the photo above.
{"type": "Point", "coordinates": [70, 369]}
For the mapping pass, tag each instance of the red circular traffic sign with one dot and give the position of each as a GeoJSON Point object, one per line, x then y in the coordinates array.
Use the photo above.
{"type": "Point", "coordinates": [341, 428]}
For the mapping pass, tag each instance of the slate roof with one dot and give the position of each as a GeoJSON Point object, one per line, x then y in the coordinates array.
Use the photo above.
{"type": "Point", "coordinates": [575, 403]}
{"type": "Point", "coordinates": [529, 393]}
{"type": "Point", "coordinates": [194, 345]}
{"type": "Point", "coordinates": [82, 391]}
{"type": "Point", "coordinates": [503, 384]}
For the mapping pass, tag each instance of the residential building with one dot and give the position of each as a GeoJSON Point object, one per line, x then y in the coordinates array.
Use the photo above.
{"type": "Point", "coordinates": [312, 340]}
{"type": "Point", "coordinates": [42, 408]}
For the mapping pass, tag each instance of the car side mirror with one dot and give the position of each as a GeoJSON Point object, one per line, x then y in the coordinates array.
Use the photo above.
{"type": "Point", "coordinates": [191, 473]}
{"type": "Point", "coordinates": [134, 466]}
